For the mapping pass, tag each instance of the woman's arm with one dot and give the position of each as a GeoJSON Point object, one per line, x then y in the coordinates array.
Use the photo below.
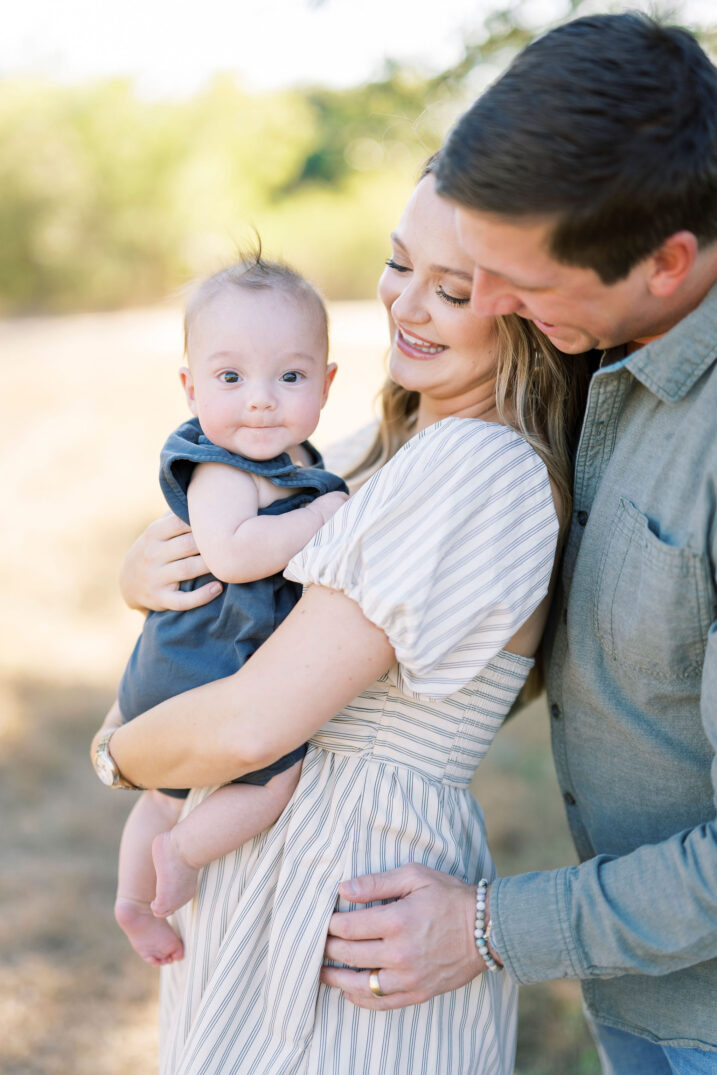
{"type": "Point", "coordinates": [164, 555]}
{"type": "Point", "coordinates": [322, 655]}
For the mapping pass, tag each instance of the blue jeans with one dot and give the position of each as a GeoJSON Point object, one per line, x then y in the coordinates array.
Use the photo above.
{"type": "Point", "coordinates": [622, 1053]}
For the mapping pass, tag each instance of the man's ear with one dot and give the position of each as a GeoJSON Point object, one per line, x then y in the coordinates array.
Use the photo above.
{"type": "Point", "coordinates": [328, 380]}
{"type": "Point", "coordinates": [671, 264]}
{"type": "Point", "coordinates": [185, 376]}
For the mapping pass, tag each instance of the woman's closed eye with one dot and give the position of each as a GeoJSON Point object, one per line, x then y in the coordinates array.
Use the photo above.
{"type": "Point", "coordinates": [453, 300]}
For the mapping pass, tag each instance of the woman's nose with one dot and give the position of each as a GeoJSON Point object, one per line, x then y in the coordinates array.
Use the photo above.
{"type": "Point", "coordinates": [409, 306]}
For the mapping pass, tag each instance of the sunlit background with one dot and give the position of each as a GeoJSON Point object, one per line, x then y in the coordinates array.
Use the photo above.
{"type": "Point", "coordinates": [140, 145]}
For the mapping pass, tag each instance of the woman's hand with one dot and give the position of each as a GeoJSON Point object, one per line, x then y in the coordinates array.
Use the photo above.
{"type": "Point", "coordinates": [162, 557]}
{"type": "Point", "coordinates": [112, 720]}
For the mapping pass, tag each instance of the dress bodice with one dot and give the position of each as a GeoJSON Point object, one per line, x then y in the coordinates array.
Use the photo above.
{"type": "Point", "coordinates": [442, 739]}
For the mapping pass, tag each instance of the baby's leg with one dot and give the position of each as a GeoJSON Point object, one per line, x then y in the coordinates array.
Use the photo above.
{"type": "Point", "coordinates": [225, 820]}
{"type": "Point", "coordinates": [153, 938]}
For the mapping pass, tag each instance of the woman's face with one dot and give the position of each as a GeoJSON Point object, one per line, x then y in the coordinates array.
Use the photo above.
{"type": "Point", "coordinates": [439, 347]}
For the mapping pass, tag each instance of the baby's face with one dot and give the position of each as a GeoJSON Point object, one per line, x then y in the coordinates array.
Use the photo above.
{"type": "Point", "coordinates": [257, 376]}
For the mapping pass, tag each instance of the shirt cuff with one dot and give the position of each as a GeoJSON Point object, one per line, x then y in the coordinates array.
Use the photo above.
{"type": "Point", "coordinates": [530, 928]}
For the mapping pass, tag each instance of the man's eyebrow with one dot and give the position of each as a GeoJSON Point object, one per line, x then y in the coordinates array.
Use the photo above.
{"type": "Point", "coordinates": [513, 282]}
{"type": "Point", "coordinates": [442, 270]}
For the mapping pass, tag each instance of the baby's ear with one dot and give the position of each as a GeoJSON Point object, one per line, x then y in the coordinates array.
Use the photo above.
{"type": "Point", "coordinates": [185, 376]}
{"type": "Point", "coordinates": [328, 380]}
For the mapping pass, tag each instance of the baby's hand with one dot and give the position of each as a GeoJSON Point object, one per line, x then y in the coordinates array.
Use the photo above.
{"type": "Point", "coordinates": [327, 505]}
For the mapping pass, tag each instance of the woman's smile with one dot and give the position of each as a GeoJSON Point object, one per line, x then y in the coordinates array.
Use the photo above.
{"type": "Point", "coordinates": [416, 346]}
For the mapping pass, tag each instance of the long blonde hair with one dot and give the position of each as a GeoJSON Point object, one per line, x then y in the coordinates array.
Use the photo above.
{"type": "Point", "coordinates": [540, 392]}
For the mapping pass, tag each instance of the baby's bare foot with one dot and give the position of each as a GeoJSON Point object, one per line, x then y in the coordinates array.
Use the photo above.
{"type": "Point", "coordinates": [176, 879]}
{"type": "Point", "coordinates": [152, 938]}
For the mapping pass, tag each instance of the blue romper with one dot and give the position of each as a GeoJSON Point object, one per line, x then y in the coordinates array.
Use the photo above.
{"type": "Point", "coordinates": [180, 650]}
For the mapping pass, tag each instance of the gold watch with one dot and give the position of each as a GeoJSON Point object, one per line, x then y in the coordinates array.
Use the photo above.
{"type": "Point", "coordinates": [106, 766]}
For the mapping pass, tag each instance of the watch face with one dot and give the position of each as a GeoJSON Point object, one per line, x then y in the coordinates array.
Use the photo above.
{"type": "Point", "coordinates": [105, 769]}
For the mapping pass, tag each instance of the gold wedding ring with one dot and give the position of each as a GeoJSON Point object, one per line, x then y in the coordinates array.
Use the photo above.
{"type": "Point", "coordinates": [374, 984]}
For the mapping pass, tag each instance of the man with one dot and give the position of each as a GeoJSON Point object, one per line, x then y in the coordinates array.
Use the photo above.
{"type": "Point", "coordinates": [585, 182]}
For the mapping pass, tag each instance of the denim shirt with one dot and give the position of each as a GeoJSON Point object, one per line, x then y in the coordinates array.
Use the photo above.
{"type": "Point", "coordinates": [631, 653]}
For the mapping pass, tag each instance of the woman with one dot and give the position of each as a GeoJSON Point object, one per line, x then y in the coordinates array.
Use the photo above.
{"type": "Point", "coordinates": [427, 598]}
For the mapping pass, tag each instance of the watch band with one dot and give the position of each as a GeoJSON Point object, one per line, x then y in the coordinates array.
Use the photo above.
{"type": "Point", "coordinates": [106, 767]}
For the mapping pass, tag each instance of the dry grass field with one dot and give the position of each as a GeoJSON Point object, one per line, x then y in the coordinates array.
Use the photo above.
{"type": "Point", "coordinates": [86, 403]}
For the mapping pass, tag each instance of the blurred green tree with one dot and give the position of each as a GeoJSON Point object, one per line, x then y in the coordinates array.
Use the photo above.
{"type": "Point", "coordinates": [108, 200]}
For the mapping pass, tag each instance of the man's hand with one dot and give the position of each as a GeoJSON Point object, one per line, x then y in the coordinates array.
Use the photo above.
{"type": "Point", "coordinates": [162, 557]}
{"type": "Point", "coordinates": [422, 944]}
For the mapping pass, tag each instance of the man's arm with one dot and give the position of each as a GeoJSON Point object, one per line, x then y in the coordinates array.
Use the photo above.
{"type": "Point", "coordinates": [236, 543]}
{"type": "Point", "coordinates": [652, 911]}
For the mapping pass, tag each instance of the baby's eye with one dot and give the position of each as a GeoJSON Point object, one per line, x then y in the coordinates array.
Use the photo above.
{"type": "Point", "coordinates": [292, 377]}
{"type": "Point", "coordinates": [229, 376]}
{"type": "Point", "coordinates": [391, 264]}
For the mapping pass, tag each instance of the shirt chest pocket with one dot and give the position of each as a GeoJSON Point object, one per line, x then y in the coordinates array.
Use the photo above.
{"type": "Point", "coordinates": [654, 601]}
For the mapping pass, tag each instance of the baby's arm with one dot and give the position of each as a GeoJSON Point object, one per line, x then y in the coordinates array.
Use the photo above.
{"type": "Point", "coordinates": [238, 545]}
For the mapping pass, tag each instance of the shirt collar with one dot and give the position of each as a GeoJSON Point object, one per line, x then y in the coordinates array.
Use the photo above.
{"type": "Point", "coordinates": [670, 365]}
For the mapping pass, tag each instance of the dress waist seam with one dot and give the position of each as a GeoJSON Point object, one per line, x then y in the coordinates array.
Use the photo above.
{"type": "Point", "coordinates": [391, 763]}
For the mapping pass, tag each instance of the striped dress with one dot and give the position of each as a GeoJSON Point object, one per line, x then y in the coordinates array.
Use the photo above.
{"type": "Point", "coordinates": [448, 548]}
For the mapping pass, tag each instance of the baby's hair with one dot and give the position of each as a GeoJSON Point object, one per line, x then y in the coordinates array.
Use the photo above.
{"type": "Point", "coordinates": [255, 273]}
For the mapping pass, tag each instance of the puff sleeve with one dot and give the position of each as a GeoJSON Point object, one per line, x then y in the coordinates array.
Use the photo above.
{"type": "Point", "coordinates": [448, 549]}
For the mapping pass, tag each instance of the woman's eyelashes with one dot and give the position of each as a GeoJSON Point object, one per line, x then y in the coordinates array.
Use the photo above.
{"type": "Point", "coordinates": [452, 300]}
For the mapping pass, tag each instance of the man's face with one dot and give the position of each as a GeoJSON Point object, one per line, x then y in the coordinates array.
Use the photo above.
{"type": "Point", "coordinates": [515, 273]}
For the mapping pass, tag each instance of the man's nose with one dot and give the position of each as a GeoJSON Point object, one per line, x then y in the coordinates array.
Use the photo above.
{"type": "Point", "coordinates": [490, 297]}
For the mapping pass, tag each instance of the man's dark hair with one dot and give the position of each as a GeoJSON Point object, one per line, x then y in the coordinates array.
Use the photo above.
{"type": "Point", "coordinates": [607, 124]}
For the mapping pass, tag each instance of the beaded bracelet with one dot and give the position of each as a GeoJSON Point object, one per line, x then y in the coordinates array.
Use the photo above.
{"type": "Point", "coordinates": [481, 933]}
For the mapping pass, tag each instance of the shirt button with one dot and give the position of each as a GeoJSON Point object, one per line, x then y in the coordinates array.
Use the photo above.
{"type": "Point", "coordinates": [582, 518]}
{"type": "Point", "coordinates": [570, 799]}
{"type": "Point", "coordinates": [555, 711]}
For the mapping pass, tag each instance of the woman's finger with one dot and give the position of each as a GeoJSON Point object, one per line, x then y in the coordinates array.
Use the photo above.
{"type": "Point", "coordinates": [183, 600]}
{"type": "Point", "coordinates": [168, 526]}
{"type": "Point", "coordinates": [180, 547]}
{"type": "Point", "coordinates": [188, 567]}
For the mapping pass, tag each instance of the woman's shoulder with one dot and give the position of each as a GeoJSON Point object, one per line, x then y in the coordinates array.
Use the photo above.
{"type": "Point", "coordinates": [468, 445]}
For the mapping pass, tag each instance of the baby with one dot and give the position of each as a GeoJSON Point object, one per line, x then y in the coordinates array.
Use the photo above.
{"type": "Point", "coordinates": [243, 474]}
